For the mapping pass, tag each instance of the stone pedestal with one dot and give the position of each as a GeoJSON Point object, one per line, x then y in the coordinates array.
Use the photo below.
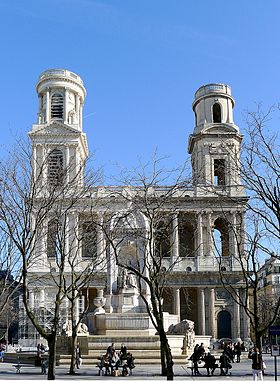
{"type": "Point", "coordinates": [128, 300]}
{"type": "Point", "coordinates": [129, 324]}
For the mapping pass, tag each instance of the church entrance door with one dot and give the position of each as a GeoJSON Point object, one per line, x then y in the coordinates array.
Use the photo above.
{"type": "Point", "coordinates": [224, 324]}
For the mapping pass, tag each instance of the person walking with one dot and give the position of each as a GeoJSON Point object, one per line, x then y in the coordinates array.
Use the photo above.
{"type": "Point", "coordinates": [257, 364]}
{"type": "Point", "coordinates": [237, 351]}
{"type": "Point", "coordinates": [2, 352]}
{"type": "Point", "coordinates": [224, 363]}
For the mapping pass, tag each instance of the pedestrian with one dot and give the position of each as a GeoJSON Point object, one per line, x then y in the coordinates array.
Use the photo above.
{"type": "Point", "coordinates": [237, 350]}
{"type": "Point", "coordinates": [257, 364]}
{"type": "Point", "coordinates": [123, 352]}
{"type": "Point", "coordinates": [110, 350]}
{"type": "Point", "coordinates": [195, 358]}
{"type": "Point", "coordinates": [229, 351]}
{"type": "Point", "coordinates": [224, 363]}
{"type": "Point", "coordinates": [2, 352]}
{"type": "Point", "coordinates": [201, 351]}
{"type": "Point", "coordinates": [78, 356]}
{"type": "Point", "coordinates": [44, 365]}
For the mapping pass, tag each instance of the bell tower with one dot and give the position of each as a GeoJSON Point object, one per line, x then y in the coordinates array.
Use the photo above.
{"type": "Point", "coordinates": [59, 144]}
{"type": "Point", "coordinates": [215, 143]}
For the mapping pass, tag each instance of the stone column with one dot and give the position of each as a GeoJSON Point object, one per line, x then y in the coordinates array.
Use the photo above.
{"type": "Point", "coordinates": [212, 312]}
{"type": "Point", "coordinates": [40, 106]}
{"type": "Point", "coordinates": [201, 311]}
{"type": "Point", "coordinates": [77, 108]}
{"type": "Point", "coordinates": [44, 165]}
{"type": "Point", "coordinates": [242, 232]}
{"type": "Point", "coordinates": [177, 302]}
{"type": "Point", "coordinates": [48, 109]}
{"type": "Point", "coordinates": [66, 106]}
{"type": "Point", "coordinates": [175, 238]}
{"type": "Point", "coordinates": [101, 244]}
{"type": "Point", "coordinates": [72, 246]}
{"type": "Point", "coordinates": [210, 235]}
{"type": "Point", "coordinates": [42, 298]}
{"type": "Point", "coordinates": [111, 281]}
{"type": "Point", "coordinates": [234, 236]}
{"type": "Point", "coordinates": [76, 169]}
{"type": "Point", "coordinates": [68, 245]}
{"type": "Point", "coordinates": [35, 163]}
{"type": "Point", "coordinates": [66, 304]}
{"type": "Point", "coordinates": [246, 320]}
{"type": "Point", "coordinates": [81, 116]}
{"type": "Point", "coordinates": [77, 310]}
{"type": "Point", "coordinates": [199, 235]}
{"type": "Point", "coordinates": [31, 300]}
{"type": "Point", "coordinates": [237, 317]}
{"type": "Point", "coordinates": [67, 163]}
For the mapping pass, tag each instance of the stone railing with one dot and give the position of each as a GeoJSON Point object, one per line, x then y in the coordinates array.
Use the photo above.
{"type": "Point", "coordinates": [213, 88]}
{"type": "Point", "coordinates": [203, 263]}
{"type": "Point", "coordinates": [60, 73]}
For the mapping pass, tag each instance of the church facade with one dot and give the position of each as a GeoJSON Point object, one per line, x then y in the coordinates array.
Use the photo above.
{"type": "Point", "coordinates": [207, 235]}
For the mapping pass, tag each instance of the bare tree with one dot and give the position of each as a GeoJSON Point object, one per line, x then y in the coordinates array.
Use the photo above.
{"type": "Point", "coordinates": [9, 282]}
{"type": "Point", "coordinates": [261, 310]}
{"type": "Point", "coordinates": [146, 224]}
{"type": "Point", "coordinates": [34, 212]}
{"type": "Point", "coordinates": [260, 169]}
{"type": "Point", "coordinates": [83, 270]}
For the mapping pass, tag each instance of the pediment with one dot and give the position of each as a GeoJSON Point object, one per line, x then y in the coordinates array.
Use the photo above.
{"type": "Point", "coordinates": [54, 128]}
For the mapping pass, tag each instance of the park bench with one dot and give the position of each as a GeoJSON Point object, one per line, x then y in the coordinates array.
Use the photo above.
{"type": "Point", "coordinates": [200, 367]}
{"type": "Point", "coordinates": [105, 367]}
{"type": "Point", "coordinates": [43, 364]}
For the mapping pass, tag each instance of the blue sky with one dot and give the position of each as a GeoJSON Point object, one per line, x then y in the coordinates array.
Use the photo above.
{"type": "Point", "coordinates": [141, 61]}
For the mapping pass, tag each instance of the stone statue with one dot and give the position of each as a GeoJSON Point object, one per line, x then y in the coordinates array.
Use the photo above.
{"type": "Point", "coordinates": [126, 280]}
{"type": "Point", "coordinates": [130, 281]}
{"type": "Point", "coordinates": [72, 116]}
{"type": "Point", "coordinates": [181, 328]}
{"type": "Point", "coordinates": [186, 328]}
{"type": "Point", "coordinates": [82, 329]}
{"type": "Point", "coordinates": [67, 328]}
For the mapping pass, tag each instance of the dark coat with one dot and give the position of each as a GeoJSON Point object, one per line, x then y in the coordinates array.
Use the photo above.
{"type": "Point", "coordinates": [257, 363]}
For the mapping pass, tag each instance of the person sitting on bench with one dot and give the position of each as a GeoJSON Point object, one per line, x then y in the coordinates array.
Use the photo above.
{"type": "Point", "coordinates": [210, 363]}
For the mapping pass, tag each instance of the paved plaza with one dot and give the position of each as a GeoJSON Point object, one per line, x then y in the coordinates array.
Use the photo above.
{"type": "Point", "coordinates": [239, 370]}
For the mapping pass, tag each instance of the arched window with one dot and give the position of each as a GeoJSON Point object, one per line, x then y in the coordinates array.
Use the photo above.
{"type": "Point", "coordinates": [221, 237]}
{"type": "Point", "coordinates": [162, 239]}
{"type": "Point", "coordinates": [219, 172]}
{"type": "Point", "coordinates": [89, 239]}
{"type": "Point", "coordinates": [57, 105]}
{"type": "Point", "coordinates": [52, 238]}
{"type": "Point", "coordinates": [217, 113]}
{"type": "Point", "coordinates": [186, 237]}
{"type": "Point", "coordinates": [55, 167]}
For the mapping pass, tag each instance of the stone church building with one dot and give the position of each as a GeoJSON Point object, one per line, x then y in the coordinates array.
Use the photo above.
{"type": "Point", "coordinates": [208, 225]}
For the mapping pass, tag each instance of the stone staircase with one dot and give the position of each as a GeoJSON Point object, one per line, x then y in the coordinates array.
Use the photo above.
{"type": "Point", "coordinates": [145, 349]}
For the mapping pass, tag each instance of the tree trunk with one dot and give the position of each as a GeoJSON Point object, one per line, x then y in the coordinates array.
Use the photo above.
{"type": "Point", "coordinates": [162, 359]}
{"type": "Point", "coordinates": [52, 356]}
{"type": "Point", "coordinates": [258, 338]}
{"type": "Point", "coordinates": [73, 353]}
{"type": "Point", "coordinates": [167, 354]}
